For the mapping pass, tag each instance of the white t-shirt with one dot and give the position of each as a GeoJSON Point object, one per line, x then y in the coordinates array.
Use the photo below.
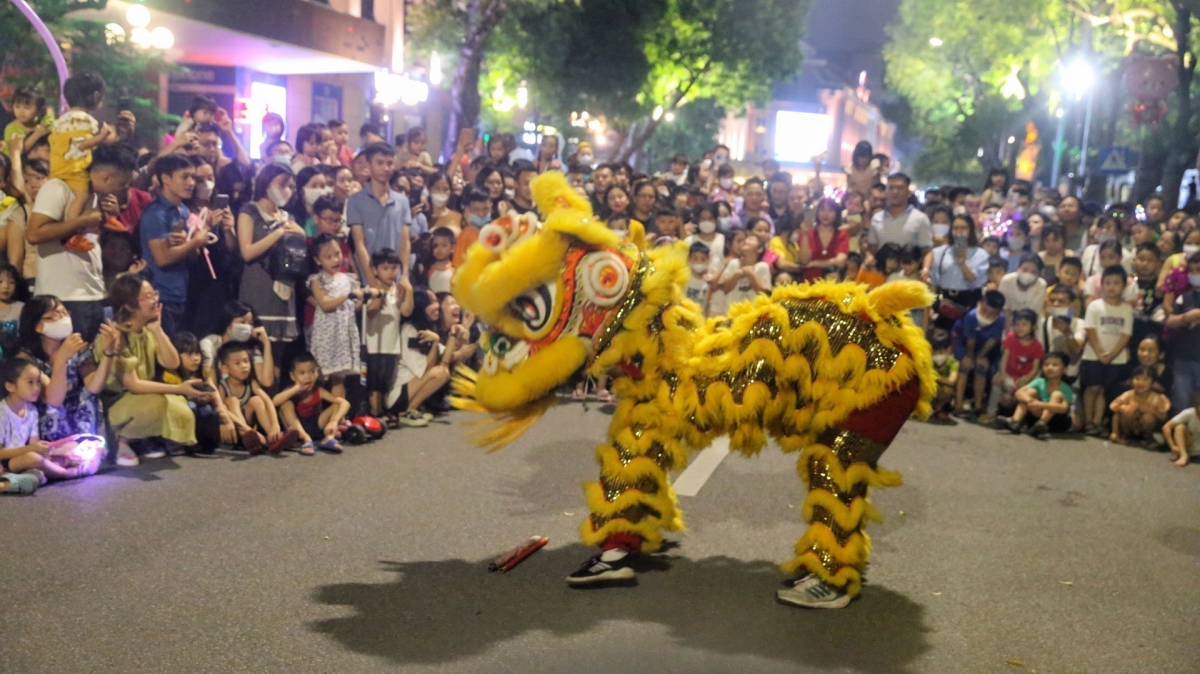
{"type": "Point", "coordinates": [383, 328]}
{"type": "Point", "coordinates": [1033, 297]}
{"type": "Point", "coordinates": [411, 365]}
{"type": "Point", "coordinates": [697, 291]}
{"type": "Point", "coordinates": [1109, 322]}
{"type": "Point", "coordinates": [16, 430]}
{"type": "Point", "coordinates": [1053, 340]}
{"type": "Point", "coordinates": [66, 274]}
{"type": "Point", "coordinates": [744, 291]}
{"type": "Point", "coordinates": [1188, 418]}
{"type": "Point", "coordinates": [716, 251]}
{"type": "Point", "coordinates": [439, 280]}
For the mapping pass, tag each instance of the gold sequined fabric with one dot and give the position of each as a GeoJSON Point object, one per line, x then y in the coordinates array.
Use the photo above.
{"type": "Point", "coordinates": [852, 448]}
{"type": "Point", "coordinates": [613, 487]}
{"type": "Point", "coordinates": [842, 329]}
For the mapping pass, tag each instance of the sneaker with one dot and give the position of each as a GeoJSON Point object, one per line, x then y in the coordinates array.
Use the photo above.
{"type": "Point", "coordinates": [596, 570]}
{"type": "Point", "coordinates": [1002, 424]}
{"type": "Point", "coordinates": [413, 420]}
{"type": "Point", "coordinates": [154, 450]}
{"type": "Point", "coordinates": [1038, 430]}
{"type": "Point", "coordinates": [986, 420]}
{"type": "Point", "coordinates": [427, 416]}
{"type": "Point", "coordinates": [812, 592]}
{"type": "Point", "coordinates": [963, 414]}
{"type": "Point", "coordinates": [126, 457]}
{"type": "Point", "coordinates": [604, 396]}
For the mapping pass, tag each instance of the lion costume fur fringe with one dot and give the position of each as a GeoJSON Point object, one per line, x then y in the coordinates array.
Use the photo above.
{"type": "Point", "coordinates": [828, 370]}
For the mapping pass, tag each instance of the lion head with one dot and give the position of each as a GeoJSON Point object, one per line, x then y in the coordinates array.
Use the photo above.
{"type": "Point", "coordinates": [549, 292]}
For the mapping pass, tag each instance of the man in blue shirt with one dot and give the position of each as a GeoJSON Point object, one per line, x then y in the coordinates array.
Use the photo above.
{"type": "Point", "coordinates": [977, 337]}
{"type": "Point", "coordinates": [379, 217]}
{"type": "Point", "coordinates": [166, 244]}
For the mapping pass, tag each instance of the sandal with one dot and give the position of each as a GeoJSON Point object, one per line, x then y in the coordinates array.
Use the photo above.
{"type": "Point", "coordinates": [331, 445]}
{"type": "Point", "coordinates": [604, 396]}
{"type": "Point", "coordinates": [307, 449]}
{"type": "Point", "coordinates": [20, 483]}
{"type": "Point", "coordinates": [252, 442]}
{"type": "Point", "coordinates": [391, 421]}
{"type": "Point", "coordinates": [288, 440]}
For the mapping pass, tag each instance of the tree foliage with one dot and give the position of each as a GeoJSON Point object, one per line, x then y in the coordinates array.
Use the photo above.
{"type": "Point", "coordinates": [963, 62]}
{"type": "Point", "coordinates": [623, 59]}
{"type": "Point", "coordinates": [131, 73]}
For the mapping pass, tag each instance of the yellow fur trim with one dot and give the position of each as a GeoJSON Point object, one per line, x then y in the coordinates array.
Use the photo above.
{"type": "Point", "coordinates": [537, 377]}
{"type": "Point", "coordinates": [847, 577]}
{"type": "Point", "coordinates": [847, 517]}
{"type": "Point", "coordinates": [846, 478]}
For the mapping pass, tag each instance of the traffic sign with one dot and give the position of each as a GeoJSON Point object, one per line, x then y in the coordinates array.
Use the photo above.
{"type": "Point", "coordinates": [1117, 160]}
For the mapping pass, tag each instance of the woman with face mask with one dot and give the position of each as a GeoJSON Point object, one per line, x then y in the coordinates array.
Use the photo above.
{"type": "Point", "coordinates": [441, 202]}
{"type": "Point", "coordinates": [707, 232]}
{"type": "Point", "coordinates": [261, 224]}
{"type": "Point", "coordinates": [206, 293]}
{"type": "Point", "coordinates": [236, 322]}
{"type": "Point", "coordinates": [312, 184]}
{"type": "Point", "coordinates": [73, 379]}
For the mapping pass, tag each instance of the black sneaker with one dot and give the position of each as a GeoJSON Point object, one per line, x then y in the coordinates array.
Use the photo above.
{"type": "Point", "coordinates": [596, 570]}
{"type": "Point", "coordinates": [1039, 430]}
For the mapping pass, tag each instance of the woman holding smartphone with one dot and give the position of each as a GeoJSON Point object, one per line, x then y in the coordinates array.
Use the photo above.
{"type": "Point", "coordinates": [957, 273]}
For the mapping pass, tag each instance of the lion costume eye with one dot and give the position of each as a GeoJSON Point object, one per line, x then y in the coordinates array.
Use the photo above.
{"type": "Point", "coordinates": [534, 306]}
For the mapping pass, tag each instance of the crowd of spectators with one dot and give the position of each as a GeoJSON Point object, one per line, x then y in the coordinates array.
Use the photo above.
{"type": "Point", "coordinates": [187, 298]}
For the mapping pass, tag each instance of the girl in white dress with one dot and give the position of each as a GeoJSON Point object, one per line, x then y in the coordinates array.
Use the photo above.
{"type": "Point", "coordinates": [338, 298]}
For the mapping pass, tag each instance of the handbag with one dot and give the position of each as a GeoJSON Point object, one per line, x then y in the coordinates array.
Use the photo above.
{"type": "Point", "coordinates": [945, 307]}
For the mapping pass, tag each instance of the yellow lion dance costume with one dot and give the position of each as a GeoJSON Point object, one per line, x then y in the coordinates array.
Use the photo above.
{"type": "Point", "coordinates": [830, 371]}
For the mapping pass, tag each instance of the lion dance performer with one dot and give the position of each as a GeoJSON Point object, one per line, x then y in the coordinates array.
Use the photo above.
{"type": "Point", "coordinates": [829, 371]}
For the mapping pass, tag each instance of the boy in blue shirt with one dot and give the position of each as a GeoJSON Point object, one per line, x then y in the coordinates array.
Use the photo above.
{"type": "Point", "coordinates": [977, 338]}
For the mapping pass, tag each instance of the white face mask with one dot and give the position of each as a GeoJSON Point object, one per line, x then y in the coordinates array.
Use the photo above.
{"type": "Point", "coordinates": [941, 230]}
{"type": "Point", "coordinates": [279, 197]}
{"type": "Point", "coordinates": [699, 268]}
{"type": "Point", "coordinates": [311, 194]}
{"type": "Point", "coordinates": [1016, 243]}
{"type": "Point", "coordinates": [240, 332]}
{"type": "Point", "coordinates": [589, 188]}
{"type": "Point", "coordinates": [706, 163]}
{"type": "Point", "coordinates": [707, 226]}
{"type": "Point", "coordinates": [285, 159]}
{"type": "Point", "coordinates": [1102, 237]}
{"type": "Point", "coordinates": [1048, 211]}
{"type": "Point", "coordinates": [984, 322]}
{"type": "Point", "coordinates": [1194, 279]}
{"type": "Point", "coordinates": [1190, 249]}
{"type": "Point", "coordinates": [439, 200]}
{"type": "Point", "coordinates": [1026, 278]}
{"type": "Point", "coordinates": [725, 221]}
{"type": "Point", "coordinates": [204, 189]}
{"type": "Point", "coordinates": [59, 329]}
{"type": "Point", "coordinates": [726, 183]}
{"type": "Point", "coordinates": [585, 159]}
{"type": "Point", "coordinates": [1058, 311]}
{"type": "Point", "coordinates": [960, 210]}
{"type": "Point", "coordinates": [939, 359]}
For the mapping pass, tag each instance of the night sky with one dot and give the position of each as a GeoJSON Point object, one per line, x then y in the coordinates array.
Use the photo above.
{"type": "Point", "coordinates": [849, 34]}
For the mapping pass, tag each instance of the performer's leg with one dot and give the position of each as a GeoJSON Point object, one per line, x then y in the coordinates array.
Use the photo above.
{"type": "Point", "coordinates": [632, 503]}
{"type": "Point", "coordinates": [839, 470]}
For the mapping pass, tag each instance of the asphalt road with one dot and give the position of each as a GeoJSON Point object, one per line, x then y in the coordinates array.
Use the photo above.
{"type": "Point", "coordinates": [1070, 556]}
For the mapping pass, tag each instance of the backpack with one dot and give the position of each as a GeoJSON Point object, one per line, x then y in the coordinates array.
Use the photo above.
{"type": "Point", "coordinates": [288, 259]}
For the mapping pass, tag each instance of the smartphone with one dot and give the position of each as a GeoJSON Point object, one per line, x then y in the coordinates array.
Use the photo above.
{"type": "Point", "coordinates": [177, 226]}
{"type": "Point", "coordinates": [219, 201]}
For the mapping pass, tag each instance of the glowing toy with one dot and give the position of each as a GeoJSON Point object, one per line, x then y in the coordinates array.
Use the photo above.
{"type": "Point", "coordinates": [829, 371]}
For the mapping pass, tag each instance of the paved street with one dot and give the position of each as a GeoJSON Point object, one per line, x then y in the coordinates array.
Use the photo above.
{"type": "Point", "coordinates": [1072, 556]}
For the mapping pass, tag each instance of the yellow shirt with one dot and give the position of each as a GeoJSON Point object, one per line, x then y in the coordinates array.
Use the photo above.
{"type": "Point", "coordinates": [67, 162]}
{"type": "Point", "coordinates": [787, 251]}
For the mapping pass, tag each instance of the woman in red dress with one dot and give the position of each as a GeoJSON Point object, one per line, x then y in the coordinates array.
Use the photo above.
{"type": "Point", "coordinates": [824, 247]}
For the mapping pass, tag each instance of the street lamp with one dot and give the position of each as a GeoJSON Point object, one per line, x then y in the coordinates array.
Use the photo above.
{"type": "Point", "coordinates": [1078, 77]}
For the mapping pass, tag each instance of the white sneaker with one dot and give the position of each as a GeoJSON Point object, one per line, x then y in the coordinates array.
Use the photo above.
{"type": "Point", "coordinates": [126, 457]}
{"type": "Point", "coordinates": [812, 592]}
{"type": "Point", "coordinates": [156, 453]}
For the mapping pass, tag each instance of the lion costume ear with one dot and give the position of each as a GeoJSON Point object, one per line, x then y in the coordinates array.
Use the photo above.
{"type": "Point", "coordinates": [553, 192]}
{"type": "Point", "coordinates": [568, 212]}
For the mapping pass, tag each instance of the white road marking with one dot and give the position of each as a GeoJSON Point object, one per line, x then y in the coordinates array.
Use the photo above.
{"type": "Point", "coordinates": [701, 468]}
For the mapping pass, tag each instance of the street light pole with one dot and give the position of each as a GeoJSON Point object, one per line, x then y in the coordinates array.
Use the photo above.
{"type": "Point", "coordinates": [1087, 126]}
{"type": "Point", "coordinates": [1058, 148]}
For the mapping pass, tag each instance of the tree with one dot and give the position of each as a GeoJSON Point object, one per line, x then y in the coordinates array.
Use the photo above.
{"type": "Point", "coordinates": [465, 28]}
{"type": "Point", "coordinates": [131, 73]}
{"type": "Point", "coordinates": [649, 59]}
{"type": "Point", "coordinates": [1015, 51]}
